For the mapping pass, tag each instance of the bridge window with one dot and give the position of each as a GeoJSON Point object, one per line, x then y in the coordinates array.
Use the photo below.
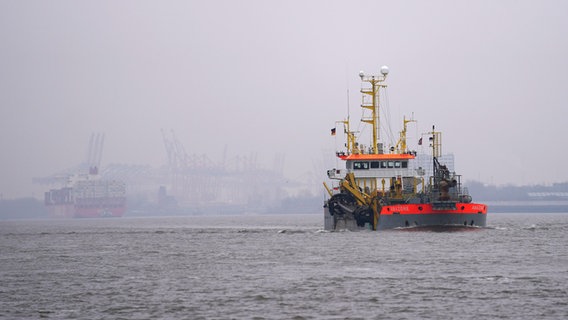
{"type": "Point", "coordinates": [383, 164]}
{"type": "Point", "coordinates": [360, 165]}
{"type": "Point", "coordinates": [405, 164]}
{"type": "Point", "coordinates": [375, 165]}
{"type": "Point", "coordinates": [397, 164]}
{"type": "Point", "coordinates": [390, 164]}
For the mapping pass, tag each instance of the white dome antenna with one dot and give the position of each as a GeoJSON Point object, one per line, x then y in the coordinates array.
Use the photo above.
{"type": "Point", "coordinates": [384, 70]}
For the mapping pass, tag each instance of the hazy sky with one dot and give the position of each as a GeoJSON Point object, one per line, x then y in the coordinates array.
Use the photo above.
{"type": "Point", "coordinates": [271, 77]}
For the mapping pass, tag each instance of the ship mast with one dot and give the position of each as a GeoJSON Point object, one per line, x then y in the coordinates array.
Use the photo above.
{"type": "Point", "coordinates": [436, 145]}
{"type": "Point", "coordinates": [351, 145]}
{"type": "Point", "coordinates": [376, 83]}
{"type": "Point", "coordinates": [401, 144]}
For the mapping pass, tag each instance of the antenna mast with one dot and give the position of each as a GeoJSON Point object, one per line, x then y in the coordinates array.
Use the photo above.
{"type": "Point", "coordinates": [376, 83]}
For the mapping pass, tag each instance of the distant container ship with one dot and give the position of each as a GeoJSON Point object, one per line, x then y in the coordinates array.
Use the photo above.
{"type": "Point", "coordinates": [87, 196]}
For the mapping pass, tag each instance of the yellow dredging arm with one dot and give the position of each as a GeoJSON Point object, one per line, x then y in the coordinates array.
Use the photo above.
{"type": "Point", "coordinates": [370, 201]}
{"type": "Point", "coordinates": [350, 185]}
{"type": "Point", "coordinates": [328, 189]}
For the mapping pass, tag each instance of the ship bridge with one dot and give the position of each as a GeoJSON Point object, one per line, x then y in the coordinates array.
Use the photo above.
{"type": "Point", "coordinates": [378, 165]}
{"type": "Point", "coordinates": [379, 171]}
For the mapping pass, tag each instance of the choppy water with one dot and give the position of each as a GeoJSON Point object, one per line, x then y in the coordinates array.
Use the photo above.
{"type": "Point", "coordinates": [281, 267]}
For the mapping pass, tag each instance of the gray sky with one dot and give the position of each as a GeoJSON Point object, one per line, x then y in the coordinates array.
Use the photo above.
{"type": "Point", "coordinates": [269, 77]}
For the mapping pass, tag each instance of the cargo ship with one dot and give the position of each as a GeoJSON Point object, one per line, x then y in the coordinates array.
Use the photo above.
{"type": "Point", "coordinates": [87, 196]}
{"type": "Point", "coordinates": [394, 188]}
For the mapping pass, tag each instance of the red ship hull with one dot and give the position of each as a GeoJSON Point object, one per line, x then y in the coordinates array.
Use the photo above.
{"type": "Point", "coordinates": [425, 215]}
{"type": "Point", "coordinates": [400, 216]}
{"type": "Point", "coordinates": [73, 211]}
{"type": "Point", "coordinates": [87, 199]}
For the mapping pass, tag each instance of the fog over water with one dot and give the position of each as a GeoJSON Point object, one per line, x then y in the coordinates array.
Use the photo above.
{"type": "Point", "coordinates": [268, 77]}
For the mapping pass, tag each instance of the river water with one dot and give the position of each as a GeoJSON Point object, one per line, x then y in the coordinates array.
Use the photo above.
{"type": "Point", "coordinates": [281, 267]}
